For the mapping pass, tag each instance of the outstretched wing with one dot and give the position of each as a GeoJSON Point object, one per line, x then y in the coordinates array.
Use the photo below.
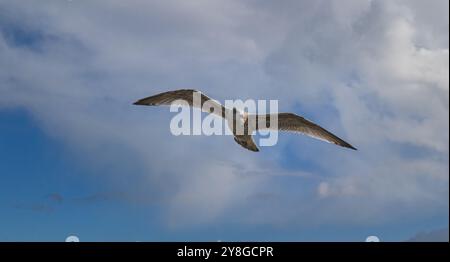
{"type": "Point", "coordinates": [295, 123]}
{"type": "Point", "coordinates": [186, 95]}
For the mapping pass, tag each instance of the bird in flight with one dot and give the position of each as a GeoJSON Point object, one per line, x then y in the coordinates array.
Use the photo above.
{"type": "Point", "coordinates": [243, 124]}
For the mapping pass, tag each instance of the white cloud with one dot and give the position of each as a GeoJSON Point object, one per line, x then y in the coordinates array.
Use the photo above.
{"type": "Point", "coordinates": [374, 72]}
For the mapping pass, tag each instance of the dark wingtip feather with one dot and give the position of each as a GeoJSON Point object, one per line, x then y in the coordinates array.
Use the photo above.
{"type": "Point", "coordinates": [354, 148]}
{"type": "Point", "coordinates": [349, 146]}
{"type": "Point", "coordinates": [140, 102]}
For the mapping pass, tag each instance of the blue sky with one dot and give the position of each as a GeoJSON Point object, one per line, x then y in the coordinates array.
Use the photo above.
{"type": "Point", "coordinates": [40, 168]}
{"type": "Point", "coordinates": [76, 157]}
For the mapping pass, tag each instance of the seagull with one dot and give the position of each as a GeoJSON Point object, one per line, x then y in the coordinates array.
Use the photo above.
{"type": "Point", "coordinates": [240, 120]}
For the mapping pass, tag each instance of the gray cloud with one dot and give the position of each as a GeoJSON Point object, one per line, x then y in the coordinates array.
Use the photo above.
{"type": "Point", "coordinates": [56, 197]}
{"type": "Point", "coordinates": [40, 208]}
{"type": "Point", "coordinates": [374, 71]}
{"type": "Point", "coordinates": [439, 235]}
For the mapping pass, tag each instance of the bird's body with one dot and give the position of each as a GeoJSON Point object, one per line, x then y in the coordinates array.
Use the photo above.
{"type": "Point", "coordinates": [243, 125]}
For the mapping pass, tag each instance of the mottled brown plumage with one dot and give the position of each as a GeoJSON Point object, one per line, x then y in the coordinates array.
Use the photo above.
{"type": "Point", "coordinates": [186, 95]}
{"type": "Point", "coordinates": [250, 123]}
{"type": "Point", "coordinates": [295, 123]}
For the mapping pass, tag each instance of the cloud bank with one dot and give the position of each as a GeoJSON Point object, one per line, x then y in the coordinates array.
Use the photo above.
{"type": "Point", "coordinates": [439, 235]}
{"type": "Point", "coordinates": [374, 72]}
